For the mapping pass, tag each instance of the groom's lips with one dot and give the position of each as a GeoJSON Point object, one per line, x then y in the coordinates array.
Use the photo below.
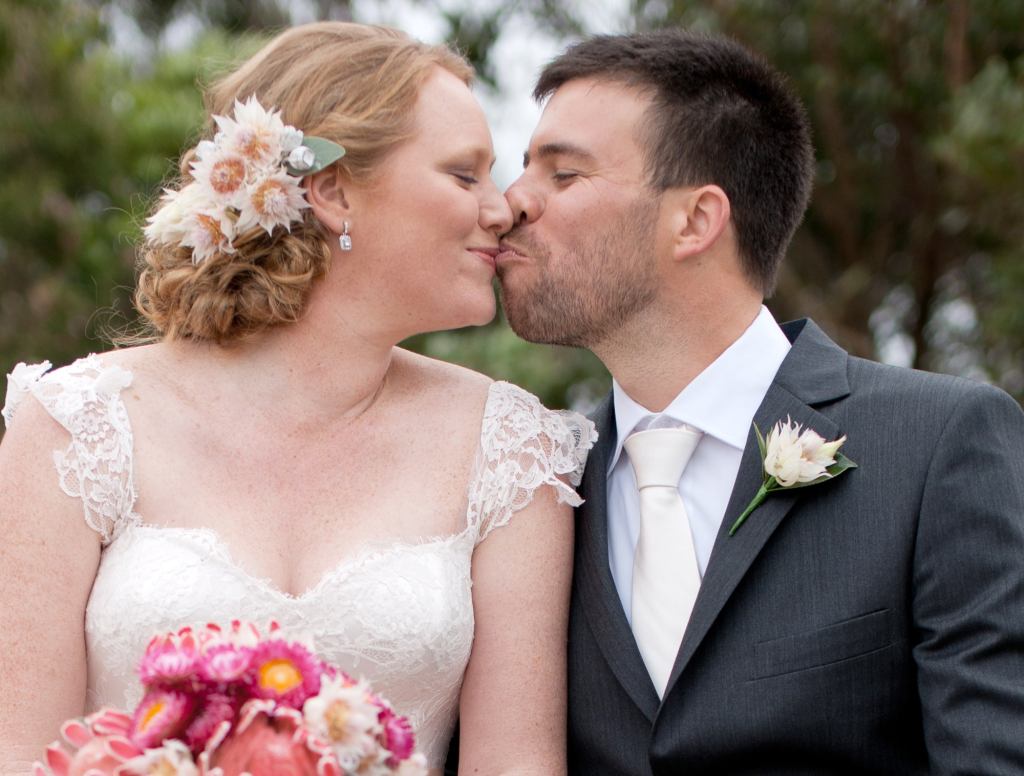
{"type": "Point", "coordinates": [506, 253]}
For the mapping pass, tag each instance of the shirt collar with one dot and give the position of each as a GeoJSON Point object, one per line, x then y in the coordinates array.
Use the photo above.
{"type": "Point", "coordinates": [721, 400]}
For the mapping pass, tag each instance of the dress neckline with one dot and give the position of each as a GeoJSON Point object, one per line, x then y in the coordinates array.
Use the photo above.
{"type": "Point", "coordinates": [367, 553]}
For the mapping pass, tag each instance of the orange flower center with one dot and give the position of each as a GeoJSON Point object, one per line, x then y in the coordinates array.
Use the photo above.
{"type": "Point", "coordinates": [253, 144]}
{"type": "Point", "coordinates": [227, 175]}
{"type": "Point", "coordinates": [212, 226]}
{"type": "Point", "coordinates": [280, 676]}
{"type": "Point", "coordinates": [152, 712]}
{"type": "Point", "coordinates": [267, 198]}
{"type": "Point", "coordinates": [336, 717]}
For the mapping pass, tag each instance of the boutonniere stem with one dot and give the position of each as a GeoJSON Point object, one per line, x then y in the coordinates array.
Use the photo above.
{"type": "Point", "coordinates": [794, 458]}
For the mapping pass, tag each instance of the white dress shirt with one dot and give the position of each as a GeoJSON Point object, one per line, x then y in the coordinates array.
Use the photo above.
{"type": "Point", "coordinates": [721, 402]}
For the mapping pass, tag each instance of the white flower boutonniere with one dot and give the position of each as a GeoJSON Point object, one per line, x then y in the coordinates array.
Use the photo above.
{"type": "Point", "coordinates": [794, 459]}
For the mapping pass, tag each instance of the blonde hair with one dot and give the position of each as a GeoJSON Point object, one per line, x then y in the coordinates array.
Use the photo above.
{"type": "Point", "coordinates": [353, 84]}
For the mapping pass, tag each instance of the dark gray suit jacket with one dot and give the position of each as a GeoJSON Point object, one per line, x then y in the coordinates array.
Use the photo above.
{"type": "Point", "coordinates": [870, 624]}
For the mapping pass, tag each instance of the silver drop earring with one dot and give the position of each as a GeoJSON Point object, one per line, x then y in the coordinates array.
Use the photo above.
{"type": "Point", "coordinates": [344, 240]}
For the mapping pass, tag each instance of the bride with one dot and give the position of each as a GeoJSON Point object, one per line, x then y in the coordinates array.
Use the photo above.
{"type": "Point", "coordinates": [273, 454]}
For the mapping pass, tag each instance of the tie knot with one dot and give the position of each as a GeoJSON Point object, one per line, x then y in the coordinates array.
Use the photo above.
{"type": "Point", "coordinates": [660, 455]}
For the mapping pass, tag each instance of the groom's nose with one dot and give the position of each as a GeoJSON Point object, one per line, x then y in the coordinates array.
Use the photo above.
{"type": "Point", "coordinates": [527, 206]}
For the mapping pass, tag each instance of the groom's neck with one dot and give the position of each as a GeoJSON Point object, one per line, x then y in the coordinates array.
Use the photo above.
{"type": "Point", "coordinates": [653, 360]}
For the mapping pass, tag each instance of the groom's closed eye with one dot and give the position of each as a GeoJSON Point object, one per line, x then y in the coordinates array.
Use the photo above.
{"type": "Point", "coordinates": [548, 151]}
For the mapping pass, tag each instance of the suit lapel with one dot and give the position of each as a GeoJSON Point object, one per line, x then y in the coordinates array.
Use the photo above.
{"type": "Point", "coordinates": [598, 596]}
{"type": "Point", "coordinates": [814, 372]}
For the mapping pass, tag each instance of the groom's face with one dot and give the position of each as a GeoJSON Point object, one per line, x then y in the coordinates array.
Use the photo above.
{"type": "Point", "coordinates": [579, 263]}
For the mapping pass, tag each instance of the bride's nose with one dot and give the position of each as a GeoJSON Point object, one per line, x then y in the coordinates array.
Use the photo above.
{"type": "Point", "coordinates": [495, 213]}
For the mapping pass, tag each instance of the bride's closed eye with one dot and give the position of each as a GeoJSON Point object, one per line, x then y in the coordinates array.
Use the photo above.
{"type": "Point", "coordinates": [466, 178]}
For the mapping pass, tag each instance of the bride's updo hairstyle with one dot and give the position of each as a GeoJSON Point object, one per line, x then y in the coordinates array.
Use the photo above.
{"type": "Point", "coordinates": [351, 84]}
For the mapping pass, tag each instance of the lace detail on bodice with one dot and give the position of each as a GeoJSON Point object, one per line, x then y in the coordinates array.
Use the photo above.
{"type": "Point", "coordinates": [96, 466]}
{"type": "Point", "coordinates": [523, 446]}
{"type": "Point", "coordinates": [400, 616]}
{"type": "Point", "coordinates": [399, 613]}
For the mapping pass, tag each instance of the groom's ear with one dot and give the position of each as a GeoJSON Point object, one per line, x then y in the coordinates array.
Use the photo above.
{"type": "Point", "coordinates": [699, 217]}
{"type": "Point", "coordinates": [326, 195]}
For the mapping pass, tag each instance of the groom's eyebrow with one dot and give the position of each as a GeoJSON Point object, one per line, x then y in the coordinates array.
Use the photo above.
{"type": "Point", "coordinates": [559, 149]}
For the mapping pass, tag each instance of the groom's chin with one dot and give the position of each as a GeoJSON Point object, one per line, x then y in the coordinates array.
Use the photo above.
{"type": "Point", "coordinates": [516, 312]}
{"type": "Point", "coordinates": [529, 322]}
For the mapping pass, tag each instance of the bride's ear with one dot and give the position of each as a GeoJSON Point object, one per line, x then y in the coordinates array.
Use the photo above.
{"type": "Point", "coordinates": [325, 193]}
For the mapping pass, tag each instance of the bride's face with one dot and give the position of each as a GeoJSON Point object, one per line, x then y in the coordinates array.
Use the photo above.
{"type": "Point", "coordinates": [432, 218]}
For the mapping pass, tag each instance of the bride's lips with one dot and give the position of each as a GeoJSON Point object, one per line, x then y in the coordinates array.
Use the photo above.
{"type": "Point", "coordinates": [487, 255]}
{"type": "Point", "coordinates": [507, 252]}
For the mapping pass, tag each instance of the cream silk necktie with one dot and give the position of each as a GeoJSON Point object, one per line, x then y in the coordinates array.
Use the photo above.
{"type": "Point", "coordinates": [665, 574]}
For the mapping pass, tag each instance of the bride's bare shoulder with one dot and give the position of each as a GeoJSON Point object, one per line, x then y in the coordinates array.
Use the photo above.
{"type": "Point", "coordinates": [134, 358]}
{"type": "Point", "coordinates": [442, 386]}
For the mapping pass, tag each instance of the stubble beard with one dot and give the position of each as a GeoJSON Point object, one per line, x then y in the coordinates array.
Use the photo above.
{"type": "Point", "coordinates": [604, 281]}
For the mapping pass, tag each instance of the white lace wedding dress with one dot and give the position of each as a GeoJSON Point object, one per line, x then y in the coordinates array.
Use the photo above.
{"type": "Point", "coordinates": [399, 614]}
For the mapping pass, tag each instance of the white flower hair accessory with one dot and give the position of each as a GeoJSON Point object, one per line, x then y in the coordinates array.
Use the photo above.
{"type": "Point", "coordinates": [794, 458]}
{"type": "Point", "coordinates": [249, 175]}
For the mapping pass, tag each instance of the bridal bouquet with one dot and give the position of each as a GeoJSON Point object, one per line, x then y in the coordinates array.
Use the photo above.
{"type": "Point", "coordinates": [236, 701]}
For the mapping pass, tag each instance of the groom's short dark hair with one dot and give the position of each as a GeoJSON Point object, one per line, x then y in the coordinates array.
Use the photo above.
{"type": "Point", "coordinates": [719, 115]}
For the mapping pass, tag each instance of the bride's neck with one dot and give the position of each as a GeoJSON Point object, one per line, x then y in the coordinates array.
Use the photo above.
{"type": "Point", "coordinates": [324, 366]}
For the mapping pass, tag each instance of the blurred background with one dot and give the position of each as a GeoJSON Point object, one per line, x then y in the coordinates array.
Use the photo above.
{"type": "Point", "coordinates": [911, 252]}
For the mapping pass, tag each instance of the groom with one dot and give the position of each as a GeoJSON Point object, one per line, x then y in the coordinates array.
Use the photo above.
{"type": "Point", "coordinates": [870, 623]}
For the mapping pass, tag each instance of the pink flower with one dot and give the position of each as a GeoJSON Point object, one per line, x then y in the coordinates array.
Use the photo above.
{"type": "Point", "coordinates": [284, 672]}
{"type": "Point", "coordinates": [225, 662]}
{"type": "Point", "coordinates": [246, 634]}
{"type": "Point", "coordinates": [269, 741]}
{"type": "Point", "coordinates": [226, 702]}
{"type": "Point", "coordinates": [160, 715]}
{"type": "Point", "coordinates": [170, 658]}
{"type": "Point", "coordinates": [171, 759]}
{"type": "Point", "coordinates": [398, 735]}
{"type": "Point", "coordinates": [216, 708]}
{"type": "Point", "coordinates": [100, 746]}
{"type": "Point", "coordinates": [109, 722]}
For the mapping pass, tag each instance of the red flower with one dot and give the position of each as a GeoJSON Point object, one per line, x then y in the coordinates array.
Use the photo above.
{"type": "Point", "coordinates": [217, 708]}
{"type": "Point", "coordinates": [269, 742]}
{"type": "Point", "coordinates": [170, 658]}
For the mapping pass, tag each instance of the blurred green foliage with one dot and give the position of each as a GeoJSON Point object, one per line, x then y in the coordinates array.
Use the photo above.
{"type": "Point", "coordinates": [86, 137]}
{"type": "Point", "coordinates": [913, 244]}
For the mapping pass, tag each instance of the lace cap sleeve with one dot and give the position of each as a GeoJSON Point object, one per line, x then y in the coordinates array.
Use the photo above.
{"type": "Point", "coordinates": [524, 446]}
{"type": "Point", "coordinates": [96, 466]}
